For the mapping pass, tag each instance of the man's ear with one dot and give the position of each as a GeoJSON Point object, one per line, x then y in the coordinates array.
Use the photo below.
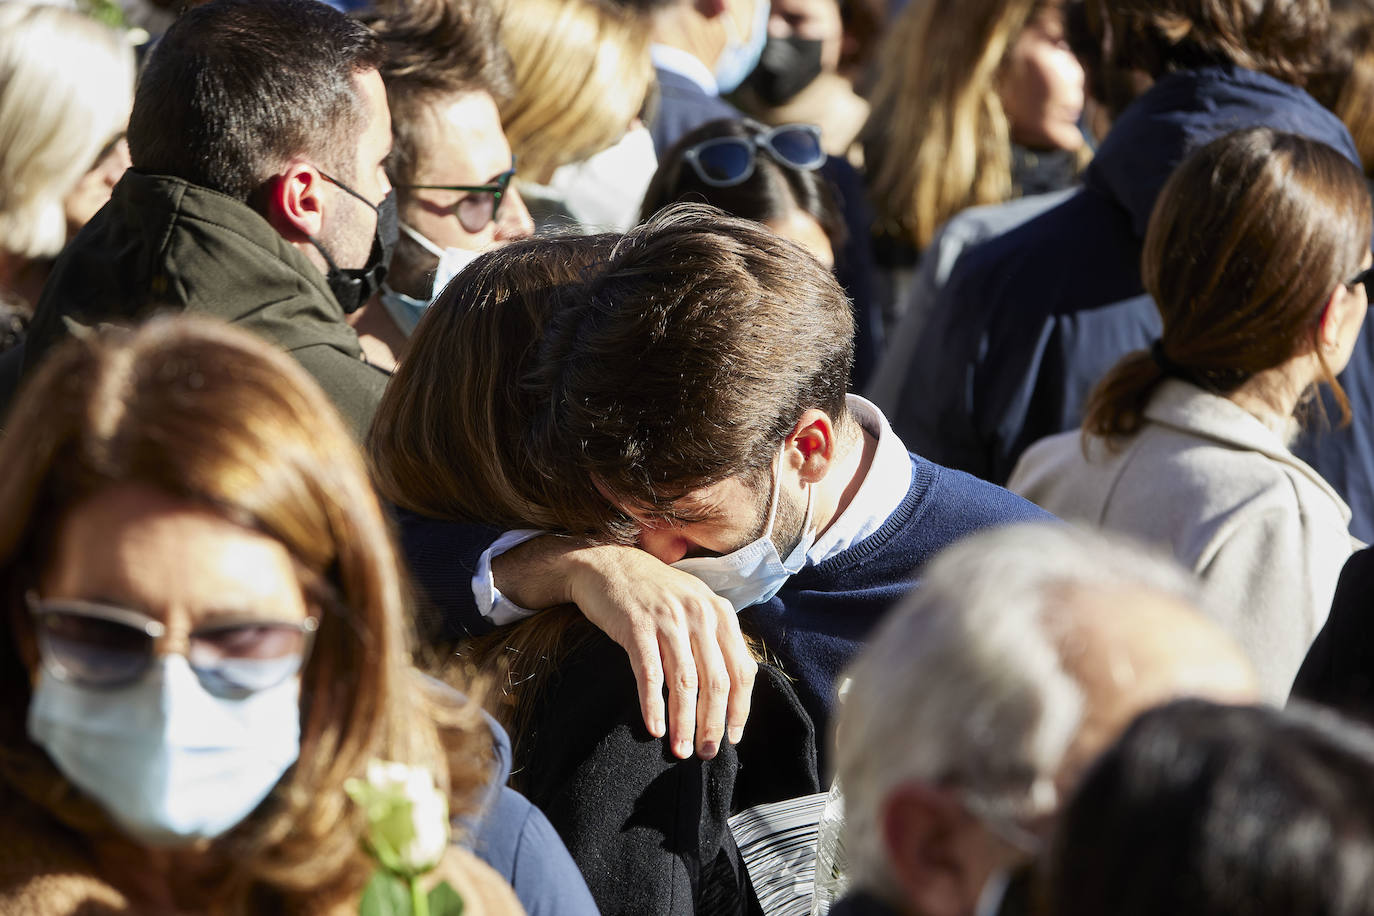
{"type": "Point", "coordinates": [1335, 317]}
{"type": "Point", "coordinates": [814, 439]}
{"type": "Point", "coordinates": [923, 837]}
{"type": "Point", "coordinates": [709, 9]}
{"type": "Point", "coordinates": [294, 202]}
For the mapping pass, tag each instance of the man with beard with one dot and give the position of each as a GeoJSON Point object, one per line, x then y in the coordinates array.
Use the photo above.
{"type": "Point", "coordinates": [257, 194]}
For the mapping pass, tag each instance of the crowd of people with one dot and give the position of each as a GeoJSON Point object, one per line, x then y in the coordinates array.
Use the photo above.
{"type": "Point", "coordinates": [687, 457]}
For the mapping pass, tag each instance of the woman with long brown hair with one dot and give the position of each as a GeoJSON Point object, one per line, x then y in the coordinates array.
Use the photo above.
{"type": "Point", "coordinates": [1257, 256]}
{"type": "Point", "coordinates": [204, 640]}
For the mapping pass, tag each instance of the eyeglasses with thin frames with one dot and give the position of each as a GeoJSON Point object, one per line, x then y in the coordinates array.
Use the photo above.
{"type": "Point", "coordinates": [104, 647]}
{"type": "Point", "coordinates": [479, 208]}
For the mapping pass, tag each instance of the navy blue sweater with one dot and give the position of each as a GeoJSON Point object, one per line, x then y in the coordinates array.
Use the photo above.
{"type": "Point", "coordinates": [819, 618]}
{"type": "Point", "coordinates": [1032, 319]}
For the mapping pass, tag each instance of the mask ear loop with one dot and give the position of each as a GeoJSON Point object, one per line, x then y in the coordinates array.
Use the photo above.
{"type": "Point", "coordinates": [423, 242]}
{"type": "Point", "coordinates": [777, 491]}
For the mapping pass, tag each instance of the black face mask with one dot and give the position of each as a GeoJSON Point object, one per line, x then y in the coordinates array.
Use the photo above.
{"type": "Point", "coordinates": [788, 66]}
{"type": "Point", "coordinates": [353, 286]}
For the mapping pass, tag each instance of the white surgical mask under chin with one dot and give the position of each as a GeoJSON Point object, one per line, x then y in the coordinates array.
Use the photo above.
{"type": "Point", "coordinates": [168, 761]}
{"type": "Point", "coordinates": [407, 311]}
{"type": "Point", "coordinates": [754, 573]}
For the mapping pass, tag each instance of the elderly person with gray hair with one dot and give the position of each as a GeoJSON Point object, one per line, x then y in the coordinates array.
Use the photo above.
{"type": "Point", "coordinates": [978, 703]}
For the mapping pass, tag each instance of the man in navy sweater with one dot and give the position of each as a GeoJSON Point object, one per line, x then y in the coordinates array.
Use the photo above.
{"type": "Point", "coordinates": [698, 388]}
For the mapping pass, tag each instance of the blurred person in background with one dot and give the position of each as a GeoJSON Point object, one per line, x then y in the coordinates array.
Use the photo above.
{"type": "Point", "coordinates": [703, 48]}
{"type": "Point", "coordinates": [1186, 444]}
{"type": "Point", "coordinates": [983, 698]}
{"type": "Point", "coordinates": [451, 166]}
{"type": "Point", "coordinates": [815, 52]}
{"type": "Point", "coordinates": [772, 176]}
{"type": "Point", "coordinates": [582, 76]}
{"type": "Point", "coordinates": [1345, 82]}
{"type": "Point", "coordinates": [204, 638]}
{"type": "Point", "coordinates": [768, 175]}
{"type": "Point", "coordinates": [1206, 810]}
{"type": "Point", "coordinates": [66, 87]}
{"type": "Point", "coordinates": [974, 104]}
{"type": "Point", "coordinates": [258, 192]}
{"type": "Point", "coordinates": [1031, 320]}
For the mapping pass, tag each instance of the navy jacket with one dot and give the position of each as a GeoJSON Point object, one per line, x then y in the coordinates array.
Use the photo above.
{"type": "Point", "coordinates": [821, 616]}
{"type": "Point", "coordinates": [1031, 320]}
{"type": "Point", "coordinates": [682, 108]}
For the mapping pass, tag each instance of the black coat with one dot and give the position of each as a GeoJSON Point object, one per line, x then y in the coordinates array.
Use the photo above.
{"type": "Point", "coordinates": [648, 830]}
{"type": "Point", "coordinates": [1339, 668]}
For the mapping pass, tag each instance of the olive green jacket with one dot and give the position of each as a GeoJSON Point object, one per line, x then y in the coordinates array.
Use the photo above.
{"type": "Point", "coordinates": [163, 244]}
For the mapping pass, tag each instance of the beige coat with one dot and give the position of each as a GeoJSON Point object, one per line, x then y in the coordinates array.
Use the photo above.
{"type": "Point", "coordinates": [1203, 477]}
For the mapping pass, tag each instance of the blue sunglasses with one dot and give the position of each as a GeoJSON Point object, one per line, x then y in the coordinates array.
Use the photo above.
{"type": "Point", "coordinates": [724, 162]}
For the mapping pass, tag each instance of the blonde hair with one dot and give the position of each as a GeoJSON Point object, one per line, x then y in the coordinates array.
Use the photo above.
{"type": "Point", "coordinates": [217, 417]}
{"type": "Point", "coordinates": [937, 140]}
{"type": "Point", "coordinates": [582, 73]}
{"type": "Point", "coordinates": [66, 87]}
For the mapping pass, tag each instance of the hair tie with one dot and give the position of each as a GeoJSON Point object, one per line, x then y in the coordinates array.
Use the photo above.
{"type": "Point", "coordinates": [1167, 365]}
{"type": "Point", "coordinates": [1217, 381]}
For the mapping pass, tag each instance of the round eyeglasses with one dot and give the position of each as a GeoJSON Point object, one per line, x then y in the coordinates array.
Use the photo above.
{"type": "Point", "coordinates": [480, 203]}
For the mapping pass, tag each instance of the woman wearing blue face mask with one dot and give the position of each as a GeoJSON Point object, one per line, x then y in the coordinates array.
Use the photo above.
{"type": "Point", "coordinates": [204, 638]}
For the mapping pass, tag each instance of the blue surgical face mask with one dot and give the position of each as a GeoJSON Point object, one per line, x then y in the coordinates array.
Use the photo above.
{"type": "Point", "coordinates": [742, 53]}
{"type": "Point", "coordinates": [168, 761]}
{"type": "Point", "coordinates": [755, 572]}
{"type": "Point", "coordinates": [407, 311]}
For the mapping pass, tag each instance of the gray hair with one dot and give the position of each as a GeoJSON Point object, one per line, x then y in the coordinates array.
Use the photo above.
{"type": "Point", "coordinates": [963, 686]}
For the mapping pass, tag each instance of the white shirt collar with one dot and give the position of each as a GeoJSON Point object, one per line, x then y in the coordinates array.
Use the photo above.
{"type": "Point", "coordinates": [676, 60]}
{"type": "Point", "coordinates": [882, 491]}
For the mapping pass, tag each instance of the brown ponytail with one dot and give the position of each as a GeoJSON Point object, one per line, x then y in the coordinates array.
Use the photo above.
{"type": "Point", "coordinates": [1246, 243]}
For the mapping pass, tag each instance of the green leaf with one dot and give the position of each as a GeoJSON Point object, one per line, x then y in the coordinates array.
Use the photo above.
{"type": "Point", "coordinates": [385, 895]}
{"type": "Point", "coordinates": [444, 901]}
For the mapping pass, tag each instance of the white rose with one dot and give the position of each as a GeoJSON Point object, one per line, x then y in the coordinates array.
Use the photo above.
{"type": "Point", "coordinates": [407, 816]}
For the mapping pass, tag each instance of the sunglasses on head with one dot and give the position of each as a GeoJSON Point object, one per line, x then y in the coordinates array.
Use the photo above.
{"type": "Point", "coordinates": [104, 647]}
{"type": "Point", "coordinates": [724, 162]}
{"type": "Point", "coordinates": [479, 207]}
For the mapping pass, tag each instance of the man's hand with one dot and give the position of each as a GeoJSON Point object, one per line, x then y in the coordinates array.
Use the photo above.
{"type": "Point", "coordinates": [675, 629]}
